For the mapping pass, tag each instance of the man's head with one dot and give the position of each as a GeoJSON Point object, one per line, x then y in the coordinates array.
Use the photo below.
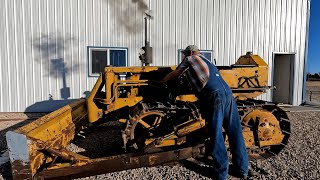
{"type": "Point", "coordinates": [190, 50]}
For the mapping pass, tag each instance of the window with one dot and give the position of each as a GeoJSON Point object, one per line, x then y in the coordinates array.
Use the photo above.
{"type": "Point", "coordinates": [206, 53]}
{"type": "Point", "coordinates": [100, 57]}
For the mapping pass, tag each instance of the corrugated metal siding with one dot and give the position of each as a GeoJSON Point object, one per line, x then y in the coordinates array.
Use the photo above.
{"type": "Point", "coordinates": [42, 39]}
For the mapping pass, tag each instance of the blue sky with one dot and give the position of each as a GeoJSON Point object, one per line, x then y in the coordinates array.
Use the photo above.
{"type": "Point", "coordinates": [314, 38]}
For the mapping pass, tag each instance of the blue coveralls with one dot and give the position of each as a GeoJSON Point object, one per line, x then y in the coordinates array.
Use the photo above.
{"type": "Point", "coordinates": [221, 110]}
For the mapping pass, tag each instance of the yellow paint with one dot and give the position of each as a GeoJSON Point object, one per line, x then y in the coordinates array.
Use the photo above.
{"type": "Point", "coordinates": [268, 127]}
{"type": "Point", "coordinates": [187, 98]}
{"type": "Point", "coordinates": [113, 84]}
{"type": "Point", "coordinates": [57, 129]}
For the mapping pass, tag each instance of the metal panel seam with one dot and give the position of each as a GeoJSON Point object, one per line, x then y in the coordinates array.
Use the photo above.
{"type": "Point", "coordinates": [1, 83]}
{"type": "Point", "coordinates": [47, 23]}
{"type": "Point", "coordinates": [71, 73]}
{"type": "Point", "coordinates": [39, 35]}
{"type": "Point", "coordinates": [26, 93]}
{"type": "Point", "coordinates": [8, 56]}
{"type": "Point", "coordinates": [32, 53]}
{"type": "Point", "coordinates": [17, 89]}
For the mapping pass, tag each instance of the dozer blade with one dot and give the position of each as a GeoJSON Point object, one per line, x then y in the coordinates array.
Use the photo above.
{"type": "Point", "coordinates": [39, 143]}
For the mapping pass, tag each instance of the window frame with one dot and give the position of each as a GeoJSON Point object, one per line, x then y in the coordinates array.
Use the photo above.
{"type": "Point", "coordinates": [107, 49]}
{"type": "Point", "coordinates": [206, 51]}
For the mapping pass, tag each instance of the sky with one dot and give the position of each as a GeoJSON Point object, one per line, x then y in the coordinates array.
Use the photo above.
{"type": "Point", "coordinates": [314, 38]}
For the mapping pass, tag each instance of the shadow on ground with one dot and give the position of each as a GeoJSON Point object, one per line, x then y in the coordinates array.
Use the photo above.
{"type": "Point", "coordinates": [101, 141]}
{"type": "Point", "coordinates": [206, 171]}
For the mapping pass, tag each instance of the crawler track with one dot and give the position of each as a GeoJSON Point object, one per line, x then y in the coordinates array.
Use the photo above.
{"type": "Point", "coordinates": [282, 118]}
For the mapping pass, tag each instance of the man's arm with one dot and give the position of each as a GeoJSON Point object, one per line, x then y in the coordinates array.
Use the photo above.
{"type": "Point", "coordinates": [172, 76]}
{"type": "Point", "coordinates": [176, 73]}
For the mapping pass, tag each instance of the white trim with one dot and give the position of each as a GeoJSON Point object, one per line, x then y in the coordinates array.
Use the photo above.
{"type": "Point", "coordinates": [273, 53]}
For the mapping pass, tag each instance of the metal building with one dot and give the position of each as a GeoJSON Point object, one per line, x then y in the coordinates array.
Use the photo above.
{"type": "Point", "coordinates": [51, 50]}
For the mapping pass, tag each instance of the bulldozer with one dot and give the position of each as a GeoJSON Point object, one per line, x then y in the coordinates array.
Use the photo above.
{"type": "Point", "coordinates": [160, 124]}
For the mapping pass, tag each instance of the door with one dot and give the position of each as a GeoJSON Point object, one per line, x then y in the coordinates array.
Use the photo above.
{"type": "Point", "coordinates": [283, 78]}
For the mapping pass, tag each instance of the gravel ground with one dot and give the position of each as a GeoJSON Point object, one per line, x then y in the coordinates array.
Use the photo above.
{"type": "Point", "coordinates": [299, 160]}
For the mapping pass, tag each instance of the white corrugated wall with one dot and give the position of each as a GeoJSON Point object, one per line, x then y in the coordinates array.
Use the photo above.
{"type": "Point", "coordinates": [43, 43]}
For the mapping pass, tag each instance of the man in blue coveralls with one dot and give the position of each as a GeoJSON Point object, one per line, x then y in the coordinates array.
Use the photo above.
{"type": "Point", "coordinates": [221, 111]}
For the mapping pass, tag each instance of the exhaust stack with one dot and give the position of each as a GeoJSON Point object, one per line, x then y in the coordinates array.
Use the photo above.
{"type": "Point", "coordinates": [146, 57]}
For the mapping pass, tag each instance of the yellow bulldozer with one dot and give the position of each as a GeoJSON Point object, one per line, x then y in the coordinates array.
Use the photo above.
{"type": "Point", "coordinates": [160, 124]}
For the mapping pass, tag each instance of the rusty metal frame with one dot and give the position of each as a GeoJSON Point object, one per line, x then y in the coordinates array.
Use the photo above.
{"type": "Point", "coordinates": [121, 162]}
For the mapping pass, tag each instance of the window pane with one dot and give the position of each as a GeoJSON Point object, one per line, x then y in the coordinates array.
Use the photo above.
{"type": "Point", "coordinates": [207, 55]}
{"type": "Point", "coordinates": [99, 60]}
{"type": "Point", "coordinates": [117, 58]}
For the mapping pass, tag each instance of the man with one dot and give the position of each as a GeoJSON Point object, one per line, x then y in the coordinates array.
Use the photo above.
{"type": "Point", "coordinates": [221, 110]}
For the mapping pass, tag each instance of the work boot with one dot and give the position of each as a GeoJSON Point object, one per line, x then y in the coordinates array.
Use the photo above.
{"type": "Point", "coordinates": [235, 172]}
